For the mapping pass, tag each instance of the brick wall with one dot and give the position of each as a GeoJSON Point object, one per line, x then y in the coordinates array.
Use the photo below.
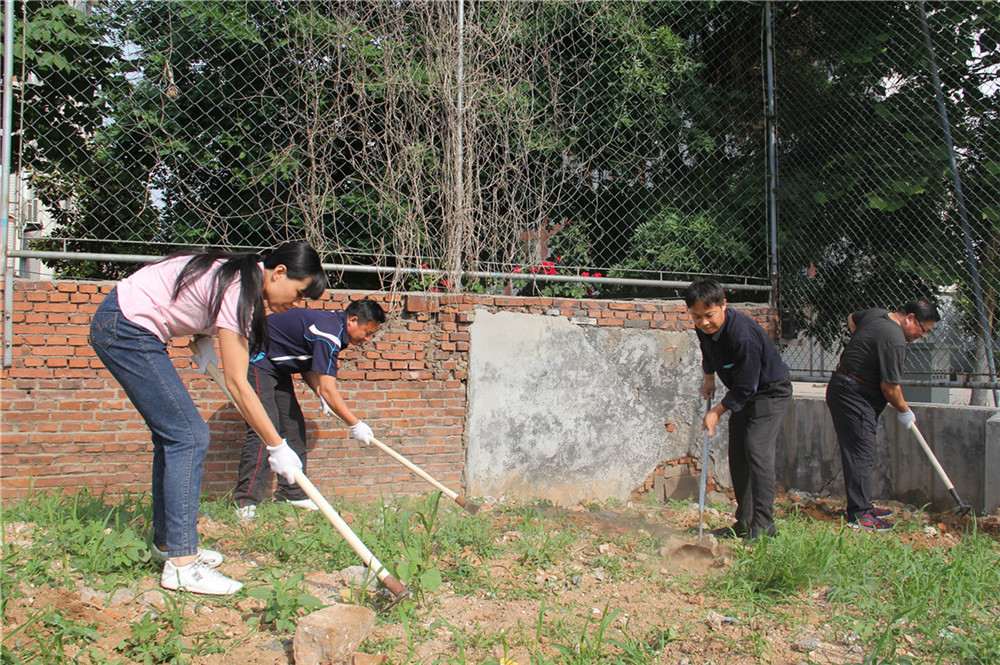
{"type": "Point", "coordinates": [66, 422]}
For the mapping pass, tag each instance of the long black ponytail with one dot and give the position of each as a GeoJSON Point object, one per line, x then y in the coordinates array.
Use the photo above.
{"type": "Point", "coordinates": [301, 261]}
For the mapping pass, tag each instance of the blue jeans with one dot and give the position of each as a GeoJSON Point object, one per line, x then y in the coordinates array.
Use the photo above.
{"type": "Point", "coordinates": [139, 361]}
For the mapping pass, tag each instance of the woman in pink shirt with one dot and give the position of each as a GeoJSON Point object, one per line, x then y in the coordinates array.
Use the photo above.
{"type": "Point", "coordinates": [199, 295]}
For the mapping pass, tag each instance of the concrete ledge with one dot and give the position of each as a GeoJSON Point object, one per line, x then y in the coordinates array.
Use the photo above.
{"type": "Point", "coordinates": [965, 440]}
{"type": "Point", "coordinates": [991, 465]}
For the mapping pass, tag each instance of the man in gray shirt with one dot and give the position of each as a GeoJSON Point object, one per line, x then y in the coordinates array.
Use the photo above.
{"type": "Point", "coordinates": [867, 379]}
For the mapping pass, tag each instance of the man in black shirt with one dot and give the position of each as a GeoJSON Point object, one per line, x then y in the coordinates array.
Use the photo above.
{"type": "Point", "coordinates": [760, 392]}
{"type": "Point", "coordinates": [867, 379]}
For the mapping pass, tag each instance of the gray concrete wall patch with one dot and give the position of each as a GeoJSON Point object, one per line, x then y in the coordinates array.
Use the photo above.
{"type": "Point", "coordinates": [566, 412]}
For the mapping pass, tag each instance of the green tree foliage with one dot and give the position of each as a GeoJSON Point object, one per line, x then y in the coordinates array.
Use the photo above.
{"type": "Point", "coordinates": [625, 137]}
{"type": "Point", "coordinates": [866, 202]}
{"type": "Point", "coordinates": [659, 121]}
{"type": "Point", "coordinates": [240, 124]}
{"type": "Point", "coordinates": [212, 114]}
{"type": "Point", "coordinates": [63, 72]}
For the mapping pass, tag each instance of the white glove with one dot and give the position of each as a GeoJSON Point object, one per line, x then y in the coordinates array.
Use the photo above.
{"type": "Point", "coordinates": [284, 461]}
{"type": "Point", "coordinates": [906, 418]}
{"type": "Point", "coordinates": [361, 432]}
{"type": "Point", "coordinates": [327, 411]}
{"type": "Point", "coordinates": [205, 355]}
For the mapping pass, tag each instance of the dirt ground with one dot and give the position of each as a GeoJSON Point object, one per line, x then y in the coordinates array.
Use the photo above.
{"type": "Point", "coordinates": [667, 595]}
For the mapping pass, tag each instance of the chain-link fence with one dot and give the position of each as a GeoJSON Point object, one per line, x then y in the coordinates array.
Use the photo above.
{"type": "Point", "coordinates": [572, 148]}
{"type": "Point", "coordinates": [613, 138]}
{"type": "Point", "coordinates": [876, 205]}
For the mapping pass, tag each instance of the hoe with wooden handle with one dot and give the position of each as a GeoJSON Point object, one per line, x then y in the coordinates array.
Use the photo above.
{"type": "Point", "coordinates": [471, 508]}
{"type": "Point", "coordinates": [384, 576]}
{"type": "Point", "coordinates": [963, 507]}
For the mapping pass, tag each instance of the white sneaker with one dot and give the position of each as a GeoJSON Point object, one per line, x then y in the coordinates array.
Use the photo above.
{"type": "Point", "coordinates": [305, 504]}
{"type": "Point", "coordinates": [197, 577]}
{"type": "Point", "coordinates": [211, 558]}
{"type": "Point", "coordinates": [248, 512]}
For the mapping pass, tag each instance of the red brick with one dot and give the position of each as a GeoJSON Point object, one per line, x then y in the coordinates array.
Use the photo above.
{"type": "Point", "coordinates": [420, 303]}
{"type": "Point", "coordinates": [391, 384]}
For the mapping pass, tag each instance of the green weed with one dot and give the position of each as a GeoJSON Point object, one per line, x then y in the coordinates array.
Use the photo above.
{"type": "Point", "coordinates": [93, 535]}
{"type": "Point", "coordinates": [613, 566]}
{"type": "Point", "coordinates": [414, 529]}
{"type": "Point", "coordinates": [590, 645]}
{"type": "Point", "coordinates": [47, 633]}
{"type": "Point", "coordinates": [154, 639]}
{"type": "Point", "coordinates": [284, 601]}
{"type": "Point", "coordinates": [291, 535]}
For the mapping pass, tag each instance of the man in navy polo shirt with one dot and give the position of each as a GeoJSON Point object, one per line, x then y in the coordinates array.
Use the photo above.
{"type": "Point", "coordinates": [735, 347]}
{"type": "Point", "coordinates": [306, 342]}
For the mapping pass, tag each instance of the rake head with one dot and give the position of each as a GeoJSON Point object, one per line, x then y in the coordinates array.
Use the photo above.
{"type": "Point", "coordinates": [963, 507]}
{"type": "Point", "coordinates": [391, 599]}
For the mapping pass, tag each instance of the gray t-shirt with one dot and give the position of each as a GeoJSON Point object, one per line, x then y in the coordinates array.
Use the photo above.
{"type": "Point", "coordinates": [877, 348]}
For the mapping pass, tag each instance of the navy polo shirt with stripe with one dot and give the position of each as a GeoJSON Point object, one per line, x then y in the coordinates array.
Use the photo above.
{"type": "Point", "coordinates": [303, 340]}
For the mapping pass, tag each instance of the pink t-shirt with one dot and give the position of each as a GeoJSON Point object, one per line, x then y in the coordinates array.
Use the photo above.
{"type": "Point", "coordinates": [144, 298]}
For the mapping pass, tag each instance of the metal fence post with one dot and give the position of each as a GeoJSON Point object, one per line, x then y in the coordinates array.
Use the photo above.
{"type": "Point", "coordinates": [8, 106]}
{"type": "Point", "coordinates": [770, 118]}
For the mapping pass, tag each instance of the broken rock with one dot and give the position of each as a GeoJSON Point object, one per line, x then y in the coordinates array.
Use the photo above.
{"type": "Point", "coordinates": [329, 636]}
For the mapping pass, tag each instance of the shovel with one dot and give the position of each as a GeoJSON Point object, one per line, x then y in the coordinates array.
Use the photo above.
{"type": "Point", "coordinates": [963, 508]}
{"type": "Point", "coordinates": [699, 549]}
{"type": "Point", "coordinates": [704, 477]}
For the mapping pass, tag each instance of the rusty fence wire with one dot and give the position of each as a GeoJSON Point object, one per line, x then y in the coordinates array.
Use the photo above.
{"type": "Point", "coordinates": [796, 151]}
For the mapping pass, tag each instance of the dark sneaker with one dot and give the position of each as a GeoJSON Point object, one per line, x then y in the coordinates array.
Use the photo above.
{"type": "Point", "coordinates": [757, 532]}
{"type": "Point", "coordinates": [881, 513]}
{"type": "Point", "coordinates": [735, 531]}
{"type": "Point", "coordinates": [869, 522]}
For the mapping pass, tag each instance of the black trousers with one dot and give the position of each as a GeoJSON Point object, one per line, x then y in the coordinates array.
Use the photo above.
{"type": "Point", "coordinates": [253, 482]}
{"type": "Point", "coordinates": [753, 435]}
{"type": "Point", "coordinates": [855, 408]}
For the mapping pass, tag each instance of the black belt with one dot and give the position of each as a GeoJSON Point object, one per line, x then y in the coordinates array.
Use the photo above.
{"type": "Point", "coordinates": [840, 368]}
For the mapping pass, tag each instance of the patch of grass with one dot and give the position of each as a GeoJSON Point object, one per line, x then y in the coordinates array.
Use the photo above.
{"type": "Point", "coordinates": [98, 536]}
{"type": "Point", "coordinates": [292, 535]}
{"type": "Point", "coordinates": [599, 642]}
{"type": "Point", "coordinates": [22, 570]}
{"type": "Point", "coordinates": [936, 605]}
{"type": "Point", "coordinates": [154, 639]}
{"type": "Point", "coordinates": [542, 539]}
{"type": "Point", "coordinates": [679, 505]}
{"type": "Point", "coordinates": [938, 602]}
{"type": "Point", "coordinates": [613, 566]}
{"type": "Point", "coordinates": [650, 500]}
